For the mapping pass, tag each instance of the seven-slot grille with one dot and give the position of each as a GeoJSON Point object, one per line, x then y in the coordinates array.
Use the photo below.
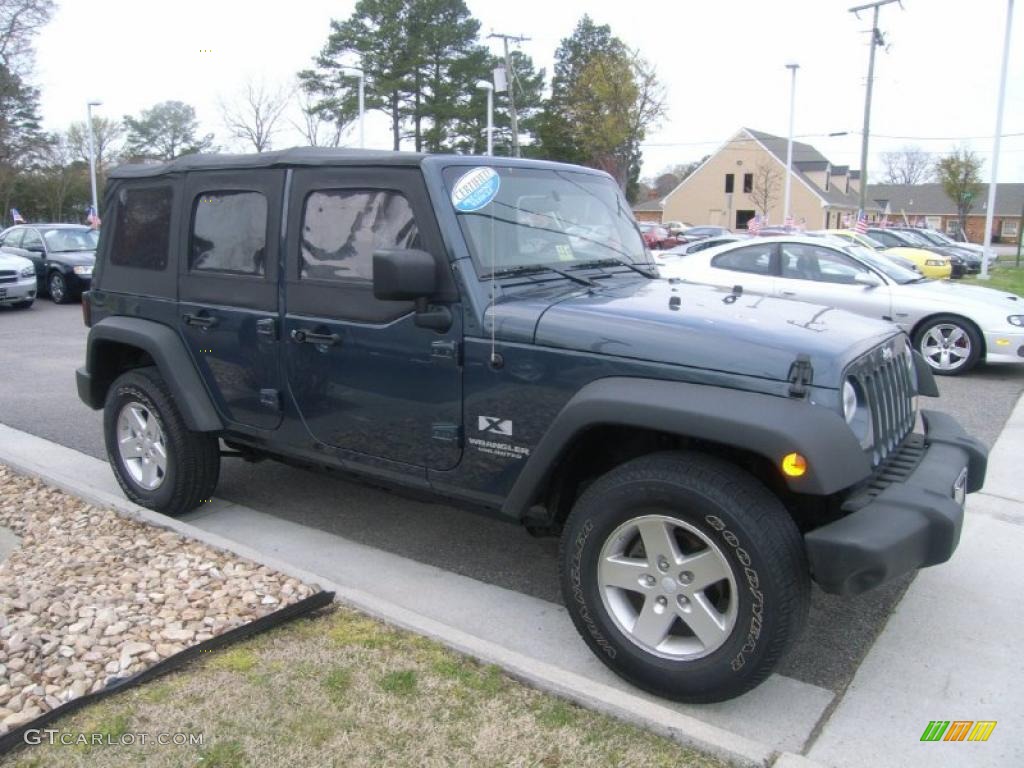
{"type": "Point", "coordinates": [885, 378]}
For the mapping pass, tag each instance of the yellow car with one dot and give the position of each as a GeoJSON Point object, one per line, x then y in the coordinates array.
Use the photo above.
{"type": "Point", "coordinates": [928, 263]}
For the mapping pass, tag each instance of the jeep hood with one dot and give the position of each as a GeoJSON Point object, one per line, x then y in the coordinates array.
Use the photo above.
{"type": "Point", "coordinates": [691, 325]}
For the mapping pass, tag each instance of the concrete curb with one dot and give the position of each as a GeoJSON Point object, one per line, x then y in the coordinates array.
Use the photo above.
{"type": "Point", "coordinates": [682, 728]}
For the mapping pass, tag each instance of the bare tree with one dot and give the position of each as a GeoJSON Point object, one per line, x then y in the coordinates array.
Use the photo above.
{"type": "Point", "coordinates": [909, 165]}
{"type": "Point", "coordinates": [20, 21]}
{"type": "Point", "coordinates": [318, 129]}
{"type": "Point", "coordinates": [57, 173]}
{"type": "Point", "coordinates": [252, 115]}
{"type": "Point", "coordinates": [107, 136]}
{"type": "Point", "coordinates": [765, 191]}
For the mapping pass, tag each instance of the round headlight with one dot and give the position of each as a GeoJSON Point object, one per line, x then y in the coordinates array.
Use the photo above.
{"type": "Point", "coordinates": [849, 401]}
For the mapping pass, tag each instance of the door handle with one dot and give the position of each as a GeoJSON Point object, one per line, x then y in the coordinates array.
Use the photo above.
{"type": "Point", "coordinates": [789, 293]}
{"type": "Point", "coordinates": [200, 321]}
{"type": "Point", "coordinates": [303, 336]}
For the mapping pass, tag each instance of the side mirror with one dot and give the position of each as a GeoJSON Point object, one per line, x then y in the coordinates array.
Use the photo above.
{"type": "Point", "coordinates": [403, 274]}
{"type": "Point", "coordinates": [35, 249]}
{"type": "Point", "coordinates": [867, 280]}
{"type": "Point", "coordinates": [410, 275]}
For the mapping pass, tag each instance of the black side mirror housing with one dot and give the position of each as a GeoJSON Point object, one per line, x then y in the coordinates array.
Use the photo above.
{"type": "Point", "coordinates": [403, 274]}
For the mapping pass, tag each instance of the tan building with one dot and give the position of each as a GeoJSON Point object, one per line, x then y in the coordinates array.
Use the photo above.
{"type": "Point", "coordinates": [730, 187]}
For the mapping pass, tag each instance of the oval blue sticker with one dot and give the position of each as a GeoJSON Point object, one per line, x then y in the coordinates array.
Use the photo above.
{"type": "Point", "coordinates": [475, 189]}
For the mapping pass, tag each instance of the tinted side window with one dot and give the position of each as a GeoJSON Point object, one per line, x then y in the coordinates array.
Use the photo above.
{"type": "Point", "coordinates": [886, 239]}
{"type": "Point", "coordinates": [143, 228]}
{"type": "Point", "coordinates": [341, 228]}
{"type": "Point", "coordinates": [756, 259]}
{"type": "Point", "coordinates": [809, 262]}
{"type": "Point", "coordinates": [229, 233]}
{"type": "Point", "coordinates": [32, 239]}
{"type": "Point", "coordinates": [13, 238]}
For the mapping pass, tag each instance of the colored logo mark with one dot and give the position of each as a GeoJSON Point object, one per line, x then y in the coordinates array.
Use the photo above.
{"type": "Point", "coordinates": [958, 730]}
{"type": "Point", "coordinates": [475, 189]}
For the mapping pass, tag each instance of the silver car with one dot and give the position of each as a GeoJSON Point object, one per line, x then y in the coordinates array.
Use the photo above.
{"type": "Point", "coordinates": [17, 281]}
{"type": "Point", "coordinates": [954, 326]}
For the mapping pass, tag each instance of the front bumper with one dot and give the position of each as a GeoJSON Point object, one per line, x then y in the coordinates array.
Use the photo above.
{"type": "Point", "coordinates": [23, 290]}
{"type": "Point", "coordinates": [1003, 347]}
{"type": "Point", "coordinates": [908, 517]}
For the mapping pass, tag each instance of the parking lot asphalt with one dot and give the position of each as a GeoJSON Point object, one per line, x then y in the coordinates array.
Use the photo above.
{"type": "Point", "coordinates": [41, 347]}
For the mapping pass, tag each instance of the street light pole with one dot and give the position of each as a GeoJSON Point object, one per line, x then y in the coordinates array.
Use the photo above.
{"type": "Point", "coordinates": [489, 87]}
{"type": "Point", "coordinates": [92, 154]}
{"type": "Point", "coordinates": [793, 67]}
{"type": "Point", "coordinates": [362, 109]}
{"type": "Point", "coordinates": [990, 211]}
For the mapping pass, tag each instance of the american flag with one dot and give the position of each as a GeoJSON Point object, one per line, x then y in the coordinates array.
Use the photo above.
{"type": "Point", "coordinates": [16, 217]}
{"type": "Point", "coordinates": [754, 224]}
{"type": "Point", "coordinates": [861, 226]}
{"type": "Point", "coordinates": [92, 219]}
{"type": "Point", "coordinates": [788, 223]}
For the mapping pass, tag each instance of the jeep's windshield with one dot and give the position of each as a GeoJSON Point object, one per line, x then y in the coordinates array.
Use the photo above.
{"type": "Point", "coordinates": [547, 217]}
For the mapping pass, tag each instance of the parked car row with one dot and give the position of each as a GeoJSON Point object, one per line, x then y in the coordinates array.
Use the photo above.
{"type": "Point", "coordinates": [953, 326]}
{"type": "Point", "coordinates": [52, 259]}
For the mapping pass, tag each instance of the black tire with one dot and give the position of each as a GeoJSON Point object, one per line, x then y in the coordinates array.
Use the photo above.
{"type": "Point", "coordinates": [746, 522]}
{"type": "Point", "coordinates": [57, 288]}
{"type": "Point", "coordinates": [193, 458]}
{"type": "Point", "coordinates": [938, 323]}
{"type": "Point", "coordinates": [23, 304]}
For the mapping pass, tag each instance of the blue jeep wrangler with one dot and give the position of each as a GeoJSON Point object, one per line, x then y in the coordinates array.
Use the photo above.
{"type": "Point", "coordinates": [492, 331]}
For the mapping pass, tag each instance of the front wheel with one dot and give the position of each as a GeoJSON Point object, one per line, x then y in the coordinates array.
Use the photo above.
{"type": "Point", "coordinates": [950, 344]}
{"type": "Point", "coordinates": [57, 287]}
{"type": "Point", "coordinates": [685, 576]}
{"type": "Point", "coordinates": [159, 463]}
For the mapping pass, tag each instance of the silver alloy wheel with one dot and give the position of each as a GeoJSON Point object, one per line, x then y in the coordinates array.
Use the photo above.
{"type": "Point", "coordinates": [677, 602]}
{"type": "Point", "coordinates": [141, 445]}
{"type": "Point", "coordinates": [57, 288]}
{"type": "Point", "coordinates": [946, 346]}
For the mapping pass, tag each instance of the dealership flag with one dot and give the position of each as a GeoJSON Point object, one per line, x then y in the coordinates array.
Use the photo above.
{"type": "Point", "coordinates": [92, 219]}
{"type": "Point", "coordinates": [16, 217]}
{"type": "Point", "coordinates": [754, 224]}
{"type": "Point", "coordinates": [862, 223]}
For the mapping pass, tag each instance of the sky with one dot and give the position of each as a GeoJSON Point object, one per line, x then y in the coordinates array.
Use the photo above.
{"type": "Point", "coordinates": [722, 62]}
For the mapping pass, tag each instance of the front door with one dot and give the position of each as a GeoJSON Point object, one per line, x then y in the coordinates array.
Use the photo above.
{"type": "Point", "coordinates": [825, 276]}
{"type": "Point", "coordinates": [228, 309]}
{"type": "Point", "coordinates": [365, 378]}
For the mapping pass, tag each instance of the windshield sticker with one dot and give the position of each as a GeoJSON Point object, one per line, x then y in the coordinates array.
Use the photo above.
{"type": "Point", "coordinates": [475, 189]}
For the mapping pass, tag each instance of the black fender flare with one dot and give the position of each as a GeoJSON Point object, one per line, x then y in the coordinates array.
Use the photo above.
{"type": "Point", "coordinates": [172, 360]}
{"type": "Point", "coordinates": [766, 425]}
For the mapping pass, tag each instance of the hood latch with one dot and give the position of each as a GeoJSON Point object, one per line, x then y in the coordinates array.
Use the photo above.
{"type": "Point", "coordinates": [801, 374]}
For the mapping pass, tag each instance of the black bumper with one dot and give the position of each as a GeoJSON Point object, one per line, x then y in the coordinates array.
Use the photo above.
{"type": "Point", "coordinates": [910, 524]}
{"type": "Point", "coordinates": [88, 393]}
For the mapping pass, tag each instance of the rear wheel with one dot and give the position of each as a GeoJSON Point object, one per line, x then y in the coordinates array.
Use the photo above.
{"type": "Point", "coordinates": [57, 287]}
{"type": "Point", "coordinates": [950, 344]}
{"type": "Point", "coordinates": [157, 460]}
{"type": "Point", "coordinates": [685, 576]}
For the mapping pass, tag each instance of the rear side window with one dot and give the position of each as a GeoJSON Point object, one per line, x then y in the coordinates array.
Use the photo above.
{"type": "Point", "coordinates": [341, 228]}
{"type": "Point", "coordinates": [12, 238]}
{"type": "Point", "coordinates": [229, 233]}
{"type": "Point", "coordinates": [143, 228]}
{"type": "Point", "coordinates": [756, 259]}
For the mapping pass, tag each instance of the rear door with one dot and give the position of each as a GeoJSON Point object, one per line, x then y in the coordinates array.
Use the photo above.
{"type": "Point", "coordinates": [364, 376]}
{"type": "Point", "coordinates": [228, 291]}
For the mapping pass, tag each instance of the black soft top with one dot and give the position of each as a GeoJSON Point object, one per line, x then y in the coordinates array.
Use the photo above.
{"type": "Point", "coordinates": [278, 159]}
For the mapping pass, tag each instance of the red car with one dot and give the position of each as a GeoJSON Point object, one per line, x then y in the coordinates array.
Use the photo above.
{"type": "Point", "coordinates": [657, 237]}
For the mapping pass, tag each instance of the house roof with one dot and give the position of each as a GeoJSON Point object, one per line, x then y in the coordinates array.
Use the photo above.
{"type": "Point", "coordinates": [922, 199]}
{"type": "Point", "coordinates": [653, 204]}
{"type": "Point", "coordinates": [840, 170]}
{"type": "Point", "coordinates": [807, 158]}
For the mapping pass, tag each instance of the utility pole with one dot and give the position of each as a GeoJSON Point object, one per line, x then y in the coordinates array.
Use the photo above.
{"type": "Point", "coordinates": [510, 77]}
{"type": "Point", "coordinates": [876, 40]}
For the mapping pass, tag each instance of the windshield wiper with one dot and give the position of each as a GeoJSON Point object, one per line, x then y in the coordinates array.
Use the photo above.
{"type": "Point", "coordinates": [619, 262]}
{"type": "Point", "coordinates": [528, 268]}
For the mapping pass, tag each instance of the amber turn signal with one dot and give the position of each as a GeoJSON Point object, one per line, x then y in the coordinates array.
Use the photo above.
{"type": "Point", "coordinates": [794, 465]}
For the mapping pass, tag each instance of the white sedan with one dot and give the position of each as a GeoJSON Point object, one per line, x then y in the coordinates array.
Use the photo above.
{"type": "Point", "coordinates": [953, 326]}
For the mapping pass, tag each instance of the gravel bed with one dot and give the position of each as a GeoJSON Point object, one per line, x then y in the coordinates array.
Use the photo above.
{"type": "Point", "coordinates": [90, 596]}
